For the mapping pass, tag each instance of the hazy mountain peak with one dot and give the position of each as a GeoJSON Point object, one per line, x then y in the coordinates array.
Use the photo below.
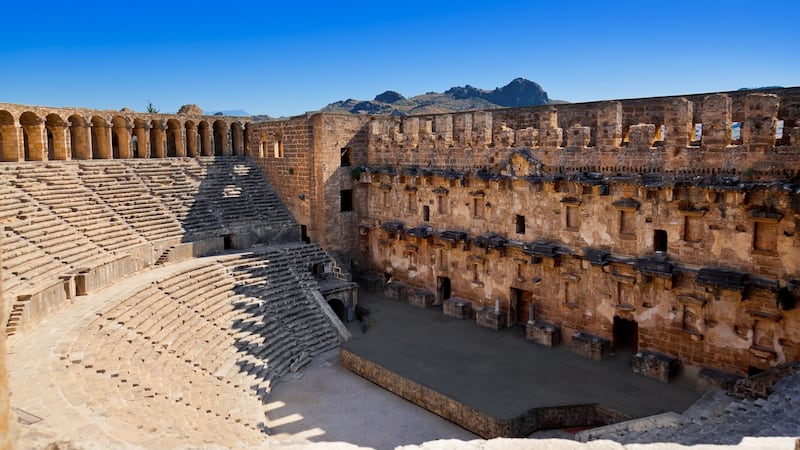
{"type": "Point", "coordinates": [519, 92]}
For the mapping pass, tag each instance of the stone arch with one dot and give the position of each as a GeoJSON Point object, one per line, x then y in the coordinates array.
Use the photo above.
{"type": "Point", "coordinates": [33, 137]}
{"type": "Point", "coordinates": [101, 139]}
{"type": "Point", "coordinates": [140, 141]}
{"type": "Point", "coordinates": [56, 129]}
{"type": "Point", "coordinates": [192, 138]}
{"type": "Point", "coordinates": [79, 137]}
{"type": "Point", "coordinates": [339, 308]}
{"type": "Point", "coordinates": [120, 138]}
{"type": "Point", "coordinates": [220, 138]}
{"type": "Point", "coordinates": [236, 138]}
{"type": "Point", "coordinates": [174, 138]}
{"type": "Point", "coordinates": [9, 149]}
{"type": "Point", "coordinates": [204, 139]}
{"type": "Point", "coordinates": [157, 139]}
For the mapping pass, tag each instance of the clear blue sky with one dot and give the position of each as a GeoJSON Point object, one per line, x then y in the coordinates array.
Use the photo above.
{"type": "Point", "coordinates": [292, 57]}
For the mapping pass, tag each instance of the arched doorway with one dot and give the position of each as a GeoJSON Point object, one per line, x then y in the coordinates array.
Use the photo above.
{"type": "Point", "coordinates": [203, 139]}
{"type": "Point", "coordinates": [173, 138]}
{"type": "Point", "coordinates": [338, 308]}
{"type": "Point", "coordinates": [33, 140]}
{"type": "Point", "coordinates": [56, 137]}
{"type": "Point", "coordinates": [220, 138]}
{"type": "Point", "coordinates": [236, 138]}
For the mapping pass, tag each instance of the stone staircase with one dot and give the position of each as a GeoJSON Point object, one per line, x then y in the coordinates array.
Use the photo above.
{"type": "Point", "coordinates": [717, 418]}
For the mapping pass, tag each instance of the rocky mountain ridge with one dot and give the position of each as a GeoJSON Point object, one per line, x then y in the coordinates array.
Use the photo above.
{"type": "Point", "coordinates": [519, 92]}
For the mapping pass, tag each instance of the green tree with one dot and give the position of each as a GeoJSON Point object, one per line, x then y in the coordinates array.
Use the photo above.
{"type": "Point", "coordinates": [151, 108]}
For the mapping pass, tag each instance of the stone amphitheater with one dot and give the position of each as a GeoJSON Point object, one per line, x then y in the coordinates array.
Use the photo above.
{"type": "Point", "coordinates": [159, 281]}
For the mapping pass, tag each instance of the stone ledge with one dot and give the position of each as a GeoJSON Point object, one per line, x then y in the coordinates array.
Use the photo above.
{"type": "Point", "coordinates": [457, 307]}
{"type": "Point", "coordinates": [655, 365]}
{"type": "Point", "coordinates": [543, 333]}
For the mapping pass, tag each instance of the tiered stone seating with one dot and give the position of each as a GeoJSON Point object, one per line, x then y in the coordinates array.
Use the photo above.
{"type": "Point", "coordinates": [176, 183]}
{"type": "Point", "coordinates": [125, 193]}
{"type": "Point", "coordinates": [210, 340]}
{"type": "Point", "coordinates": [239, 191]}
{"type": "Point", "coordinates": [138, 349]}
{"type": "Point", "coordinates": [58, 187]}
{"type": "Point", "coordinates": [24, 264]}
{"type": "Point", "coordinates": [26, 217]}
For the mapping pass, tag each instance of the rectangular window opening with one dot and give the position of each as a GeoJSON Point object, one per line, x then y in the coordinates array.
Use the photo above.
{"type": "Point", "coordinates": [346, 200]}
{"type": "Point", "coordinates": [520, 224]}
{"type": "Point", "coordinates": [346, 157]}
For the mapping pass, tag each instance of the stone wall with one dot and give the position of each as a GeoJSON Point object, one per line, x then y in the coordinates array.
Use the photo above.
{"type": "Point", "coordinates": [5, 407]}
{"type": "Point", "coordinates": [604, 219]}
{"type": "Point", "coordinates": [476, 421]}
{"type": "Point", "coordinates": [311, 160]}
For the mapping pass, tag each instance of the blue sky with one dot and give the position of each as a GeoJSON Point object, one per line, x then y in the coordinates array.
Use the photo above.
{"type": "Point", "coordinates": [292, 57]}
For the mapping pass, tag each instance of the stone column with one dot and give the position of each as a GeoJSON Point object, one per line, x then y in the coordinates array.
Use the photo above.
{"type": "Point", "coordinates": [191, 140]}
{"type": "Point", "coordinates": [609, 126]}
{"type": "Point", "coordinates": [158, 149]}
{"type": "Point", "coordinates": [205, 140]}
{"type": "Point", "coordinates": [83, 141]}
{"type": "Point", "coordinates": [9, 136]}
{"type": "Point", "coordinates": [760, 121]}
{"type": "Point", "coordinates": [180, 141]}
{"type": "Point", "coordinates": [716, 118]}
{"type": "Point", "coordinates": [37, 140]}
{"type": "Point", "coordinates": [142, 141]}
{"type": "Point", "coordinates": [679, 126]}
{"type": "Point", "coordinates": [550, 135]}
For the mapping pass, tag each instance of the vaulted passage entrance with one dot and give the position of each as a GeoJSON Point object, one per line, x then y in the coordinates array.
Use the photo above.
{"type": "Point", "coordinates": [626, 335]}
{"type": "Point", "coordinates": [338, 307]}
{"type": "Point", "coordinates": [442, 289]}
{"type": "Point", "coordinates": [521, 301]}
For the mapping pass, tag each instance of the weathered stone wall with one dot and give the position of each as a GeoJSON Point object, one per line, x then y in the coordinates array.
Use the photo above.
{"type": "Point", "coordinates": [5, 407]}
{"type": "Point", "coordinates": [311, 160]}
{"type": "Point", "coordinates": [282, 150]}
{"type": "Point", "coordinates": [476, 421]}
{"type": "Point", "coordinates": [601, 218]}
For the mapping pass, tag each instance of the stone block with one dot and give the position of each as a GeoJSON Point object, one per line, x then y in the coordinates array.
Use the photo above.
{"type": "Point", "coordinates": [589, 345]}
{"type": "Point", "coordinates": [396, 291]}
{"type": "Point", "coordinates": [543, 333]}
{"type": "Point", "coordinates": [490, 318]}
{"type": "Point", "coordinates": [421, 297]}
{"type": "Point", "coordinates": [457, 307]}
{"type": "Point", "coordinates": [655, 365]}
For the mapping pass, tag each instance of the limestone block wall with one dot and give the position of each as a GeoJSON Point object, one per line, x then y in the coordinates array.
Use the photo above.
{"type": "Point", "coordinates": [312, 161]}
{"type": "Point", "coordinates": [669, 224]}
{"type": "Point", "coordinates": [282, 150]}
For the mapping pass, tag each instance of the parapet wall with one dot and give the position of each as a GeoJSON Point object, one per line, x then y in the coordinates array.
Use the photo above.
{"type": "Point", "coordinates": [729, 132]}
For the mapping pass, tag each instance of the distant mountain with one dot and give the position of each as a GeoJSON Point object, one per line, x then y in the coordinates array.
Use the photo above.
{"type": "Point", "coordinates": [228, 112]}
{"type": "Point", "coordinates": [519, 92]}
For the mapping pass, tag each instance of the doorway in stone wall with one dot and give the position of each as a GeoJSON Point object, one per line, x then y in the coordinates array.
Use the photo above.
{"type": "Point", "coordinates": [338, 308]}
{"type": "Point", "coordinates": [626, 335]}
{"type": "Point", "coordinates": [442, 289]}
{"type": "Point", "coordinates": [521, 301]}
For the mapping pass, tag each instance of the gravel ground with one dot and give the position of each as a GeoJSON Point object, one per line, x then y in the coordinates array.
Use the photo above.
{"type": "Point", "coordinates": [325, 403]}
